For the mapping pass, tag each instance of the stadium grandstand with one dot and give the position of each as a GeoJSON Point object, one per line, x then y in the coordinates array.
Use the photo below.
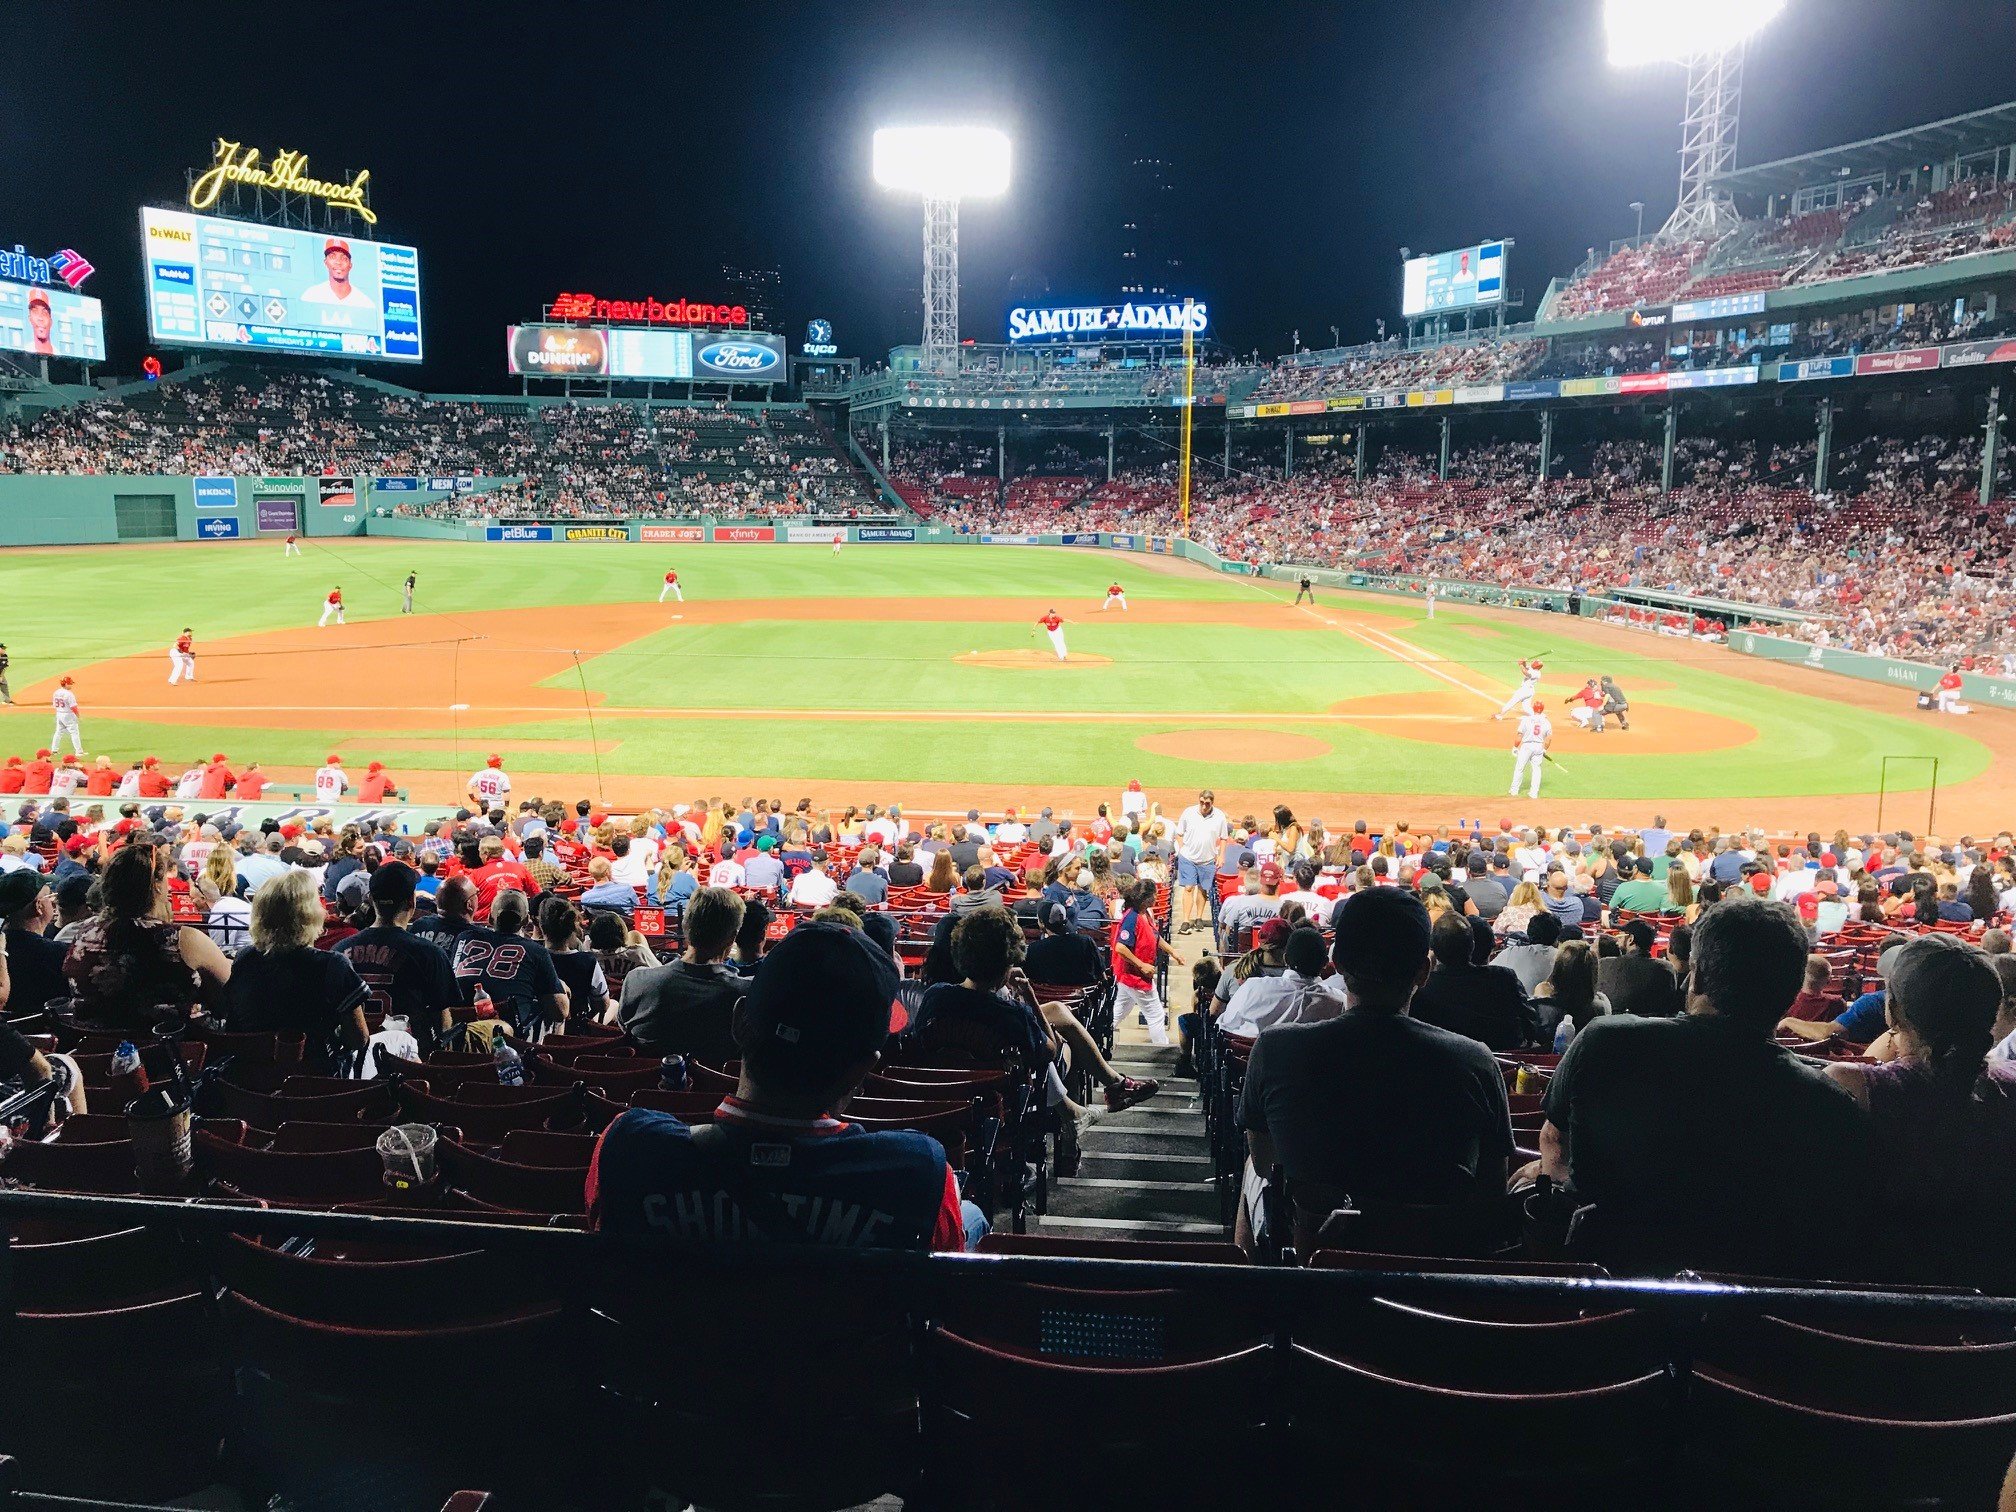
{"type": "Point", "coordinates": [725, 1025]}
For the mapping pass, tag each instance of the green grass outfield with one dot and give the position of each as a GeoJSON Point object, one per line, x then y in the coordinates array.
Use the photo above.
{"type": "Point", "coordinates": [61, 610]}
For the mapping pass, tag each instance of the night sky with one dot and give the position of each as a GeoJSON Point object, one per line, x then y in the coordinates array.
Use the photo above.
{"type": "Point", "coordinates": [631, 148]}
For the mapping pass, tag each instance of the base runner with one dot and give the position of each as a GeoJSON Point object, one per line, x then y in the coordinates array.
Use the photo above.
{"type": "Point", "coordinates": [671, 587]}
{"type": "Point", "coordinates": [1114, 595]}
{"type": "Point", "coordinates": [1053, 626]}
{"type": "Point", "coordinates": [64, 703]}
{"type": "Point", "coordinates": [1536, 732]}
{"type": "Point", "coordinates": [1529, 684]}
{"type": "Point", "coordinates": [182, 659]}
{"type": "Point", "coordinates": [331, 605]}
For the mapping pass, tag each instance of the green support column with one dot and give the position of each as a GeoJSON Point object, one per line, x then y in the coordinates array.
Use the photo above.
{"type": "Point", "coordinates": [1444, 472]}
{"type": "Point", "coordinates": [1546, 443]}
{"type": "Point", "coordinates": [1109, 454]}
{"type": "Point", "coordinates": [1363, 431]}
{"type": "Point", "coordinates": [1666, 459]}
{"type": "Point", "coordinates": [1991, 443]}
{"type": "Point", "coordinates": [1823, 444]}
{"type": "Point", "coordinates": [1287, 452]}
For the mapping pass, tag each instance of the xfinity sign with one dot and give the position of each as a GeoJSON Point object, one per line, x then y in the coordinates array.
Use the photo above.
{"type": "Point", "coordinates": [1121, 322]}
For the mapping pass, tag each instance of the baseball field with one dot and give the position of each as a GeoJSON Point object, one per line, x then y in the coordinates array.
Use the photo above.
{"type": "Point", "coordinates": [920, 673]}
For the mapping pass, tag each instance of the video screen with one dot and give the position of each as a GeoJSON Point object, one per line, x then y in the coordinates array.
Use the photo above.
{"type": "Point", "coordinates": [44, 322]}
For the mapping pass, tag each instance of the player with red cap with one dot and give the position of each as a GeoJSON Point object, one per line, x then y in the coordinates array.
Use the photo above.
{"type": "Point", "coordinates": [66, 779]}
{"type": "Point", "coordinates": [218, 778]}
{"type": "Point", "coordinates": [153, 781]}
{"type": "Point", "coordinates": [332, 607]}
{"type": "Point", "coordinates": [378, 784]}
{"type": "Point", "coordinates": [490, 787]}
{"type": "Point", "coordinates": [1536, 733]}
{"type": "Point", "coordinates": [336, 289]}
{"type": "Point", "coordinates": [36, 775]}
{"type": "Point", "coordinates": [671, 586]}
{"type": "Point", "coordinates": [64, 702]}
{"type": "Point", "coordinates": [1529, 684]}
{"type": "Point", "coordinates": [331, 781]}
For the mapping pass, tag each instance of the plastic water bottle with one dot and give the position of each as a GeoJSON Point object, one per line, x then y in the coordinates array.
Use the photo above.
{"type": "Point", "coordinates": [1561, 1034]}
{"type": "Point", "coordinates": [672, 1074]}
{"type": "Point", "coordinates": [510, 1064]}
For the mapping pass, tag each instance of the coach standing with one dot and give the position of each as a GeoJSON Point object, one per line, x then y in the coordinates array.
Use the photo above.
{"type": "Point", "coordinates": [1200, 830]}
{"type": "Point", "coordinates": [6, 696]}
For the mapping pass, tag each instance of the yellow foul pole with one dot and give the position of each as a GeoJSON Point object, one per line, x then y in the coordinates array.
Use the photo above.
{"type": "Point", "coordinates": [1189, 398]}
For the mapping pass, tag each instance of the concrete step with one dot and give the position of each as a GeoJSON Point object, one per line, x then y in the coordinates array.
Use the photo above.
{"type": "Point", "coordinates": [1098, 1165]}
{"type": "Point", "coordinates": [1135, 1202]}
{"type": "Point", "coordinates": [1101, 1139]}
{"type": "Point", "coordinates": [1122, 1228]}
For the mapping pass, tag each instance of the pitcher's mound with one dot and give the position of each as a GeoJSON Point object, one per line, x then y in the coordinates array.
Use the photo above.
{"type": "Point", "coordinates": [1031, 659]}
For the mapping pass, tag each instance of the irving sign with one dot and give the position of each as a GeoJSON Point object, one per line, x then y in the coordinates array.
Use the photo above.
{"type": "Point", "coordinates": [287, 173]}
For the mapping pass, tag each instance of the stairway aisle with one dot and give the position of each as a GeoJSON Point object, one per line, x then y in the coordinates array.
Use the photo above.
{"type": "Point", "coordinates": [1145, 1173]}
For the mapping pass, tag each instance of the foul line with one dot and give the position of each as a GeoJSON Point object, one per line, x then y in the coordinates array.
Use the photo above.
{"type": "Point", "coordinates": [618, 711]}
{"type": "Point", "coordinates": [1391, 645]}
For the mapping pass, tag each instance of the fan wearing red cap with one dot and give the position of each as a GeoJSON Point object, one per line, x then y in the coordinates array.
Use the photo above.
{"type": "Point", "coordinates": [490, 787]}
{"type": "Point", "coordinates": [336, 289]}
{"type": "Point", "coordinates": [378, 784]}
{"type": "Point", "coordinates": [36, 774]}
{"type": "Point", "coordinates": [64, 702]}
{"type": "Point", "coordinates": [218, 778]}
{"type": "Point", "coordinates": [1536, 733]}
{"type": "Point", "coordinates": [331, 781]}
{"type": "Point", "coordinates": [779, 1162]}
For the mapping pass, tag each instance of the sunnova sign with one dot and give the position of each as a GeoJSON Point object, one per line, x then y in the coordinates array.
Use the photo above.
{"type": "Point", "coordinates": [1121, 322]}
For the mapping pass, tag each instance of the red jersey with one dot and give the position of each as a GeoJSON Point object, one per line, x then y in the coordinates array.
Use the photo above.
{"type": "Point", "coordinates": [36, 775]}
{"type": "Point", "coordinates": [1112, 590]}
{"type": "Point", "coordinates": [184, 642]}
{"type": "Point", "coordinates": [493, 876]}
{"type": "Point", "coordinates": [12, 778]}
{"type": "Point", "coordinates": [1050, 621]}
{"type": "Point", "coordinates": [671, 577]}
{"type": "Point", "coordinates": [101, 782]}
{"type": "Point", "coordinates": [1136, 931]}
{"type": "Point", "coordinates": [1587, 696]}
{"type": "Point", "coordinates": [1950, 681]}
{"type": "Point", "coordinates": [153, 784]}
{"type": "Point", "coordinates": [335, 598]}
{"type": "Point", "coordinates": [217, 780]}
{"type": "Point", "coordinates": [250, 786]}
{"type": "Point", "coordinates": [376, 786]}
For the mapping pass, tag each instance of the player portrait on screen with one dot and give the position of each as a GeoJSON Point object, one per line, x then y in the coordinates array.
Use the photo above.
{"type": "Point", "coordinates": [40, 323]}
{"type": "Point", "coordinates": [336, 289]}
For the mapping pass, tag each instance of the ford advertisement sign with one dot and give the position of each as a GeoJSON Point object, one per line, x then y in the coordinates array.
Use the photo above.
{"type": "Point", "coordinates": [217, 527]}
{"type": "Point", "coordinates": [745, 357]}
{"type": "Point", "coordinates": [518, 533]}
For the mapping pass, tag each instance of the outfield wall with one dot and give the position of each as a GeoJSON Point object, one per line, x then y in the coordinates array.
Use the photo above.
{"type": "Point", "coordinates": [144, 509]}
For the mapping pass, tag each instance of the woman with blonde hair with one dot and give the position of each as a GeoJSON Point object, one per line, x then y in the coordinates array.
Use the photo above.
{"type": "Point", "coordinates": [227, 917]}
{"type": "Point", "coordinates": [1518, 910]}
{"type": "Point", "coordinates": [1680, 894]}
{"type": "Point", "coordinates": [283, 984]}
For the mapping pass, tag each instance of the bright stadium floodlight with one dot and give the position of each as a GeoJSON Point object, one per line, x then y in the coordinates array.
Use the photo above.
{"type": "Point", "coordinates": [1707, 37]}
{"type": "Point", "coordinates": [942, 165]}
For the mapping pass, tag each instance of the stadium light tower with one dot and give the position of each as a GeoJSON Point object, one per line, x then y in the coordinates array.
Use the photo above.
{"type": "Point", "coordinates": [1707, 37]}
{"type": "Point", "coordinates": [942, 165]}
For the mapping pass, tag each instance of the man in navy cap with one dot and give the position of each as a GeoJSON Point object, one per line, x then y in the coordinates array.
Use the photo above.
{"type": "Point", "coordinates": [779, 1163]}
{"type": "Point", "coordinates": [1375, 1105]}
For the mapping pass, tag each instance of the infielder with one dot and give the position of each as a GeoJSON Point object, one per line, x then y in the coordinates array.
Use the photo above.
{"type": "Point", "coordinates": [1053, 626]}
{"type": "Point", "coordinates": [182, 659]}
{"type": "Point", "coordinates": [490, 787]}
{"type": "Point", "coordinates": [331, 605]}
{"type": "Point", "coordinates": [671, 587]}
{"type": "Point", "coordinates": [331, 781]}
{"type": "Point", "coordinates": [1529, 684]}
{"type": "Point", "coordinates": [64, 702]}
{"type": "Point", "coordinates": [1536, 730]}
{"type": "Point", "coordinates": [1114, 595]}
{"type": "Point", "coordinates": [293, 547]}
{"type": "Point", "coordinates": [406, 594]}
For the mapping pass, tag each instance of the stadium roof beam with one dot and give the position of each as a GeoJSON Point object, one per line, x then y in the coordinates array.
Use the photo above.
{"type": "Point", "coordinates": [942, 165]}
{"type": "Point", "coordinates": [1979, 131]}
{"type": "Point", "coordinates": [1708, 37]}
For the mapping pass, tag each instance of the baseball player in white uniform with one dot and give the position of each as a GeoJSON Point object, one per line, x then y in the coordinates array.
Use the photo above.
{"type": "Point", "coordinates": [331, 605]}
{"type": "Point", "coordinates": [331, 781]}
{"type": "Point", "coordinates": [1535, 731]}
{"type": "Point", "coordinates": [1428, 600]}
{"type": "Point", "coordinates": [182, 657]}
{"type": "Point", "coordinates": [1053, 626]}
{"type": "Point", "coordinates": [64, 702]}
{"type": "Point", "coordinates": [1529, 684]}
{"type": "Point", "coordinates": [66, 779]}
{"type": "Point", "coordinates": [490, 787]}
{"type": "Point", "coordinates": [129, 783]}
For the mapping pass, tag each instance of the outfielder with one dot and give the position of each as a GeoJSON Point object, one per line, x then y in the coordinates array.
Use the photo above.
{"type": "Point", "coordinates": [293, 547]}
{"type": "Point", "coordinates": [1114, 595]}
{"type": "Point", "coordinates": [1536, 730]}
{"type": "Point", "coordinates": [1529, 684]}
{"type": "Point", "coordinates": [406, 594]}
{"type": "Point", "coordinates": [671, 587]}
{"type": "Point", "coordinates": [1428, 600]}
{"type": "Point", "coordinates": [331, 605]}
{"type": "Point", "coordinates": [1053, 626]}
{"type": "Point", "coordinates": [64, 702]}
{"type": "Point", "coordinates": [182, 659]}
